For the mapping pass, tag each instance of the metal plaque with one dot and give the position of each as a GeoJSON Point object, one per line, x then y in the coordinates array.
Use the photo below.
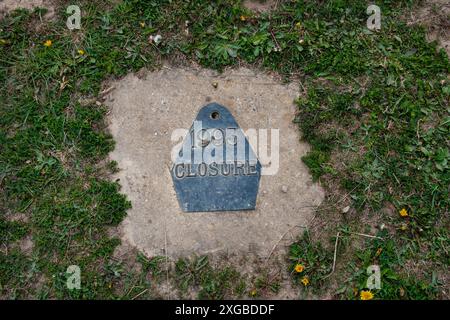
{"type": "Point", "coordinates": [216, 168]}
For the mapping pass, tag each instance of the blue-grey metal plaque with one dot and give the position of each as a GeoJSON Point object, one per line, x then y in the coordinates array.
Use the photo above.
{"type": "Point", "coordinates": [216, 168]}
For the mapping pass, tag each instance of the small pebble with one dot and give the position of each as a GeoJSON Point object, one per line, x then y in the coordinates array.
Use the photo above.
{"type": "Point", "coordinates": [284, 189]}
{"type": "Point", "coordinates": [156, 39]}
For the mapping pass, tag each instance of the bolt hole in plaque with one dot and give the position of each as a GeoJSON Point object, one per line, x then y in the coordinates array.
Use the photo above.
{"type": "Point", "coordinates": [216, 168]}
{"type": "Point", "coordinates": [215, 115]}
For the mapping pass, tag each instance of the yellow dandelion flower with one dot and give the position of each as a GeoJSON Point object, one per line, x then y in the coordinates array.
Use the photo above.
{"type": "Point", "coordinates": [48, 43]}
{"type": "Point", "coordinates": [142, 24]}
{"type": "Point", "coordinates": [379, 251]}
{"type": "Point", "coordinates": [299, 268]}
{"type": "Point", "coordinates": [253, 293]}
{"type": "Point", "coordinates": [366, 295]}
{"type": "Point", "coordinates": [243, 18]}
{"type": "Point", "coordinates": [305, 281]}
{"type": "Point", "coordinates": [81, 52]}
{"type": "Point", "coordinates": [403, 212]}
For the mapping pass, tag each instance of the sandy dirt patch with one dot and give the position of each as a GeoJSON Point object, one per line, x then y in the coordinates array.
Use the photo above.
{"type": "Point", "coordinates": [10, 5]}
{"type": "Point", "coordinates": [434, 15]}
{"type": "Point", "coordinates": [144, 113]}
{"type": "Point", "coordinates": [260, 5]}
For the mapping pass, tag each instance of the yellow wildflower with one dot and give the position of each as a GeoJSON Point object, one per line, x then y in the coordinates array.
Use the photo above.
{"type": "Point", "coordinates": [298, 25]}
{"type": "Point", "coordinates": [379, 251]}
{"type": "Point", "coordinates": [299, 268]}
{"type": "Point", "coordinates": [243, 18]}
{"type": "Point", "coordinates": [81, 52]}
{"type": "Point", "coordinates": [366, 295]}
{"type": "Point", "coordinates": [142, 24]}
{"type": "Point", "coordinates": [305, 281]}
{"type": "Point", "coordinates": [403, 212]}
{"type": "Point", "coordinates": [48, 43]}
{"type": "Point", "coordinates": [253, 293]}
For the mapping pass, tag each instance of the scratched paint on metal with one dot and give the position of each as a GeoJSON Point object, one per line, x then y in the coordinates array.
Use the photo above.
{"type": "Point", "coordinates": [216, 168]}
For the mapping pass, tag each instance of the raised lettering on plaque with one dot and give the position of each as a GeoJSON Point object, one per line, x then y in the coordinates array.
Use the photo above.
{"type": "Point", "coordinates": [216, 168]}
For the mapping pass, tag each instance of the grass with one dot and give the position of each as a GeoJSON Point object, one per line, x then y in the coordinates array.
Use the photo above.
{"type": "Point", "coordinates": [212, 283]}
{"type": "Point", "coordinates": [375, 112]}
{"type": "Point", "coordinates": [317, 262]}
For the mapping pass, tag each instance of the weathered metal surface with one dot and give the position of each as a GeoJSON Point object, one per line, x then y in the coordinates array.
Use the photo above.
{"type": "Point", "coordinates": [216, 168]}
